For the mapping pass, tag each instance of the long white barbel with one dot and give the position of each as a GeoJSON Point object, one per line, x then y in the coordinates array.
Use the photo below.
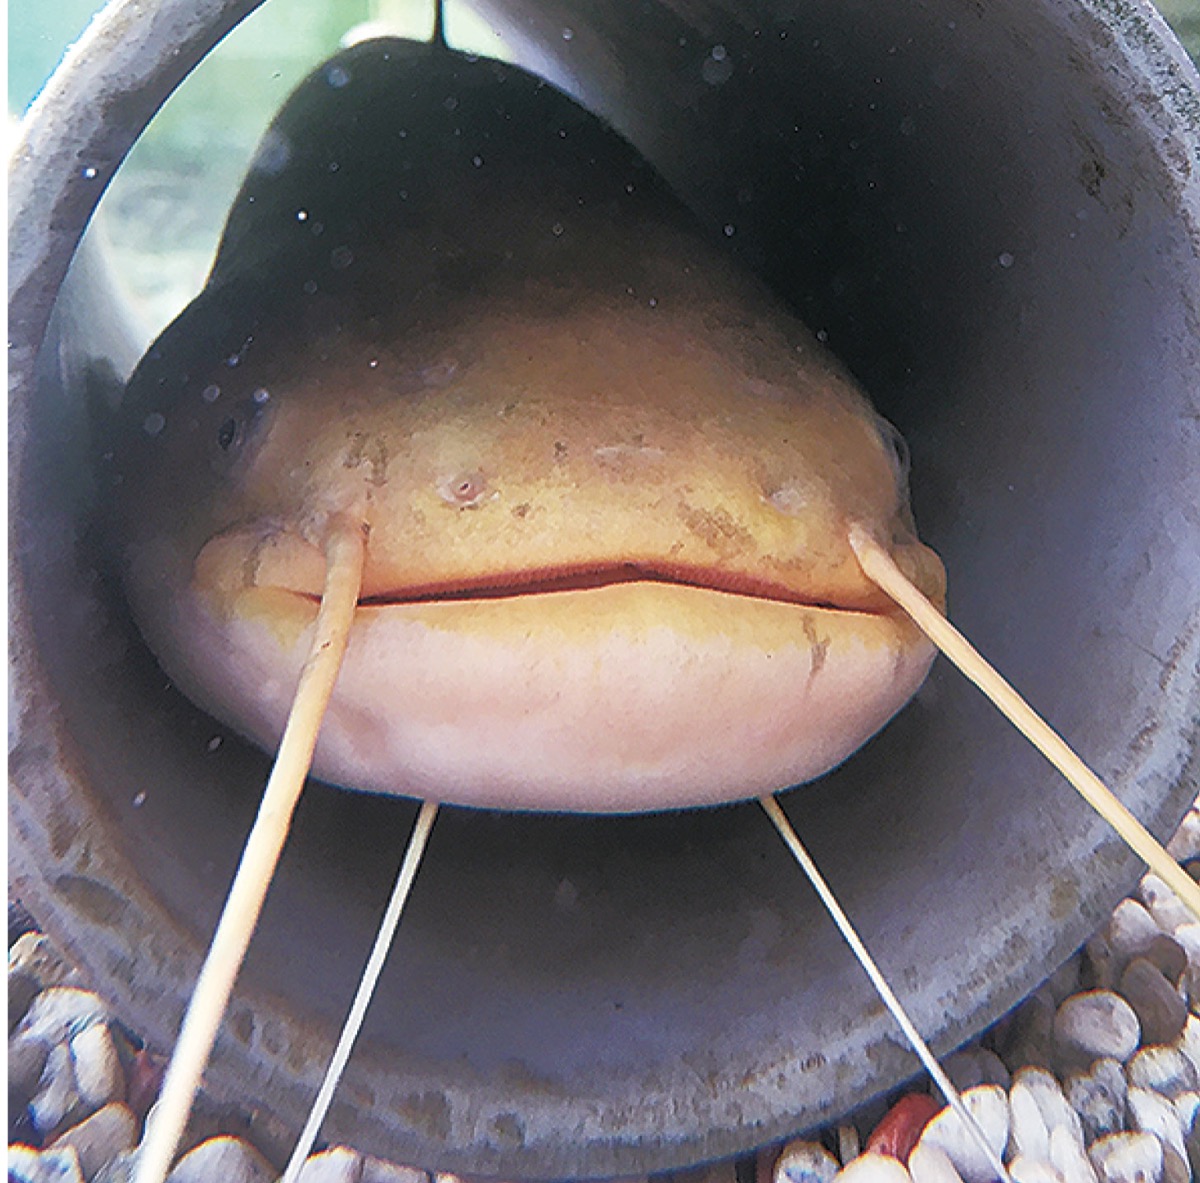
{"type": "Point", "coordinates": [881, 569]}
{"type": "Point", "coordinates": [887, 995]}
{"type": "Point", "coordinates": [344, 556]}
{"type": "Point", "coordinates": [366, 988]}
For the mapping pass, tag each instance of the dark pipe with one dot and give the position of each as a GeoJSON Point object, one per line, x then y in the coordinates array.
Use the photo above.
{"type": "Point", "coordinates": [993, 212]}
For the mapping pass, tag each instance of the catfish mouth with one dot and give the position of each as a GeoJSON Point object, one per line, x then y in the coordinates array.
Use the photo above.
{"type": "Point", "coordinates": [514, 585]}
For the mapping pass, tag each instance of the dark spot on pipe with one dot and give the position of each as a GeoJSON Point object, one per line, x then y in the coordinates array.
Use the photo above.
{"type": "Point", "coordinates": [274, 1041]}
{"type": "Point", "coordinates": [241, 1024]}
{"type": "Point", "coordinates": [427, 1112]}
{"type": "Point", "coordinates": [1064, 898]}
{"type": "Point", "coordinates": [98, 902]}
{"type": "Point", "coordinates": [1091, 173]}
{"type": "Point", "coordinates": [509, 1130]}
{"type": "Point", "coordinates": [61, 831]}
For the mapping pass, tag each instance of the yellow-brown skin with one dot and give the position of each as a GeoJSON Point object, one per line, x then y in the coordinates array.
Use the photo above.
{"type": "Point", "coordinates": [607, 563]}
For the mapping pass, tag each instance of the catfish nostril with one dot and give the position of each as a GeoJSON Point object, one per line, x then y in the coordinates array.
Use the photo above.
{"type": "Point", "coordinates": [789, 499]}
{"type": "Point", "coordinates": [465, 489]}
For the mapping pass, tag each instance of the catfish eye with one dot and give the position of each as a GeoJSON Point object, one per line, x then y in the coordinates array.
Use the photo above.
{"type": "Point", "coordinates": [237, 430]}
{"type": "Point", "coordinates": [898, 447]}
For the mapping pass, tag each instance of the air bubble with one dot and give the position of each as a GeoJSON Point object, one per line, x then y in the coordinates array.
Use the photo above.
{"type": "Point", "coordinates": [337, 76]}
{"type": "Point", "coordinates": [90, 174]}
{"type": "Point", "coordinates": [730, 229]}
{"type": "Point", "coordinates": [261, 395]}
{"type": "Point", "coordinates": [153, 423]}
{"type": "Point", "coordinates": [557, 229]}
{"type": "Point", "coordinates": [477, 161]}
{"type": "Point", "coordinates": [1005, 259]}
{"type": "Point", "coordinates": [717, 68]}
{"type": "Point", "coordinates": [340, 258]}
{"type": "Point", "coordinates": [211, 393]}
{"type": "Point", "coordinates": [568, 34]}
{"type": "Point", "coordinates": [302, 215]}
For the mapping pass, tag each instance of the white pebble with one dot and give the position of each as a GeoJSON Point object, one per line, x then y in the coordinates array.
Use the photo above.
{"type": "Point", "coordinates": [1187, 1105]}
{"type": "Point", "coordinates": [1024, 1169]}
{"type": "Point", "coordinates": [989, 1106]}
{"type": "Point", "coordinates": [230, 1160]}
{"type": "Point", "coordinates": [874, 1168]}
{"type": "Point", "coordinates": [1131, 929]}
{"type": "Point", "coordinates": [338, 1164]}
{"type": "Point", "coordinates": [1099, 1097]}
{"type": "Point", "coordinates": [60, 1012]}
{"type": "Point", "coordinates": [379, 1170]}
{"type": "Point", "coordinates": [1163, 904]}
{"type": "Point", "coordinates": [1029, 1137]}
{"type": "Point", "coordinates": [1185, 842]}
{"type": "Point", "coordinates": [1153, 1114]}
{"type": "Point", "coordinates": [33, 953]}
{"type": "Point", "coordinates": [99, 1077]}
{"type": "Point", "coordinates": [1189, 1041]}
{"type": "Point", "coordinates": [100, 1138]}
{"type": "Point", "coordinates": [1128, 1158]}
{"type": "Point", "coordinates": [56, 1096]}
{"type": "Point", "coordinates": [805, 1162]}
{"type": "Point", "coordinates": [931, 1164]}
{"type": "Point", "coordinates": [1069, 1158]}
{"type": "Point", "coordinates": [1096, 1024]}
{"type": "Point", "coordinates": [1039, 1106]}
{"type": "Point", "coordinates": [1166, 1070]}
{"type": "Point", "coordinates": [26, 1165]}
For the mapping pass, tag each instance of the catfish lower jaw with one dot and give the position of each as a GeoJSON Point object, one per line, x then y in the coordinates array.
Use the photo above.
{"type": "Point", "coordinates": [621, 698]}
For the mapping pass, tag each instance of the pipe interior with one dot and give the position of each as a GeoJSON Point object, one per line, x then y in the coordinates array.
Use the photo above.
{"type": "Point", "coordinates": [975, 205]}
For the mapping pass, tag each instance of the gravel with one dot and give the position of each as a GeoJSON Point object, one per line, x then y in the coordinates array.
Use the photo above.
{"type": "Point", "coordinates": [1095, 1078]}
